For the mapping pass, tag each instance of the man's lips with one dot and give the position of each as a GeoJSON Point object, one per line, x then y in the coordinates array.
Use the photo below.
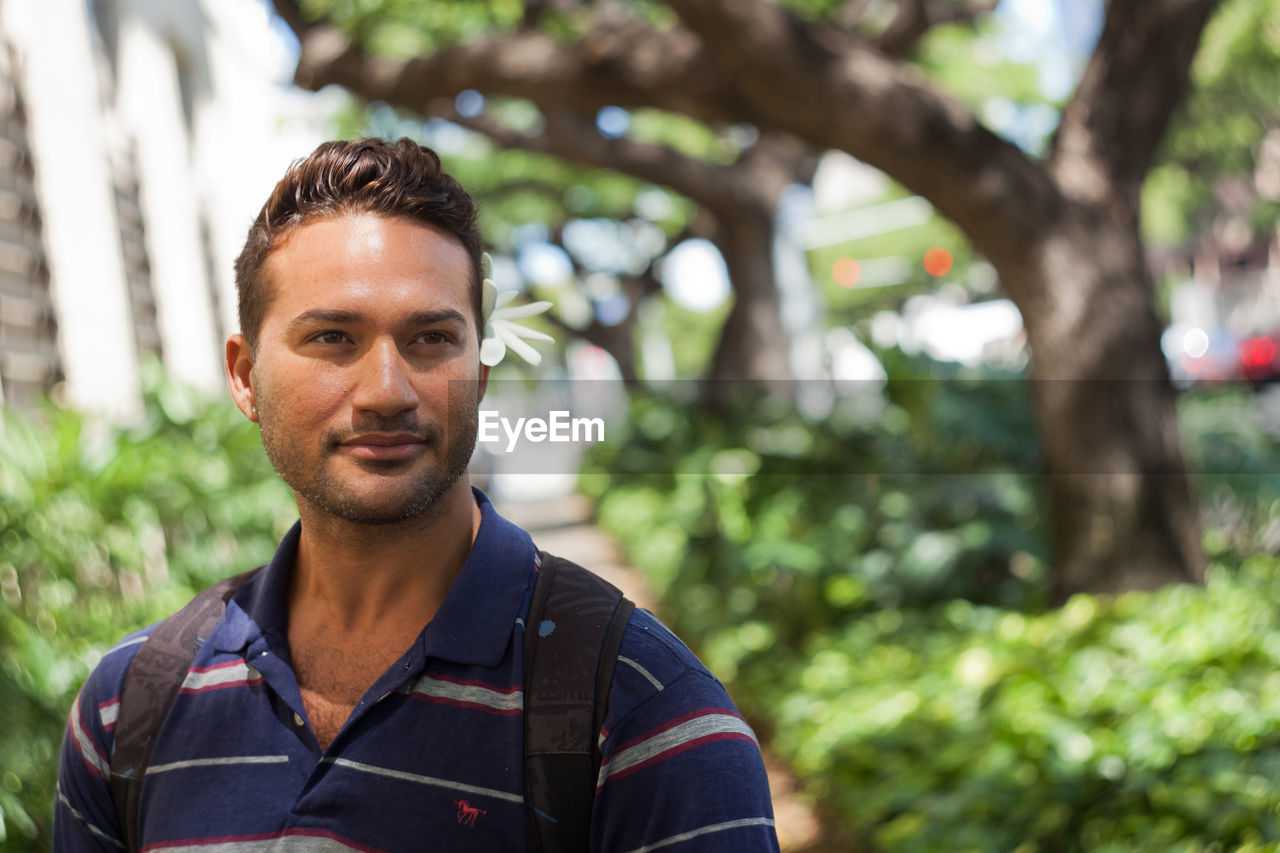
{"type": "Point", "coordinates": [384, 446]}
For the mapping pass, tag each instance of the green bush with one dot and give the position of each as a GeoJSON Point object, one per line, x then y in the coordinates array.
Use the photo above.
{"type": "Point", "coordinates": [888, 634]}
{"type": "Point", "coordinates": [104, 530]}
{"type": "Point", "coordinates": [1150, 721]}
{"type": "Point", "coordinates": [757, 513]}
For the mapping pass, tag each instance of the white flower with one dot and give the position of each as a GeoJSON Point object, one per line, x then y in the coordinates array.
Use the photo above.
{"type": "Point", "coordinates": [500, 332]}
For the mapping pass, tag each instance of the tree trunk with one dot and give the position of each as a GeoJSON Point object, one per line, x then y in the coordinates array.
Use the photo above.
{"type": "Point", "coordinates": [1063, 235]}
{"type": "Point", "coordinates": [754, 347]}
{"type": "Point", "coordinates": [1122, 514]}
{"type": "Point", "coordinates": [618, 342]}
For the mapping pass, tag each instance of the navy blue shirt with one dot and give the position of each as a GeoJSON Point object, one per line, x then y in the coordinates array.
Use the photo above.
{"type": "Point", "coordinates": [432, 756]}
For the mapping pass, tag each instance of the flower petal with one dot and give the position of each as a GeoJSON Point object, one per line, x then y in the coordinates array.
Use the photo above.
{"type": "Point", "coordinates": [519, 347]}
{"type": "Point", "coordinates": [522, 311]}
{"type": "Point", "coordinates": [525, 332]}
{"type": "Point", "coordinates": [489, 298]}
{"type": "Point", "coordinates": [491, 351]}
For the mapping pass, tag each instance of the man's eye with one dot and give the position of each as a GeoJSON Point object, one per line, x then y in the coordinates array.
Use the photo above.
{"type": "Point", "coordinates": [330, 337]}
{"type": "Point", "coordinates": [433, 338]}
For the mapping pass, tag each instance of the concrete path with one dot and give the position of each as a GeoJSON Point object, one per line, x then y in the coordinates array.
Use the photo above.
{"type": "Point", "coordinates": [563, 526]}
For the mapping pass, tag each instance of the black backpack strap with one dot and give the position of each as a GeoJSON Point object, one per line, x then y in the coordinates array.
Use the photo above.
{"type": "Point", "coordinates": [571, 639]}
{"type": "Point", "coordinates": [150, 686]}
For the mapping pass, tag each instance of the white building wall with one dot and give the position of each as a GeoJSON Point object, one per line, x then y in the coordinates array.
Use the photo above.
{"type": "Point", "coordinates": [204, 167]}
{"type": "Point", "coordinates": [150, 105]}
{"type": "Point", "coordinates": [68, 137]}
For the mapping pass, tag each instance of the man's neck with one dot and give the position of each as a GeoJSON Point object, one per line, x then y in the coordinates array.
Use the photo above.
{"type": "Point", "coordinates": [354, 578]}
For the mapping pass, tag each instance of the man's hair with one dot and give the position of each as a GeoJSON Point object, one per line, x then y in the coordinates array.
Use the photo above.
{"type": "Point", "coordinates": [400, 179]}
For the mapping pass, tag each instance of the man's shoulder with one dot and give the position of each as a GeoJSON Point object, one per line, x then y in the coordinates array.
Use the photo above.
{"type": "Point", "coordinates": [106, 681]}
{"type": "Point", "coordinates": [651, 647]}
{"type": "Point", "coordinates": [114, 663]}
{"type": "Point", "coordinates": [673, 740]}
{"type": "Point", "coordinates": [99, 698]}
{"type": "Point", "coordinates": [656, 670]}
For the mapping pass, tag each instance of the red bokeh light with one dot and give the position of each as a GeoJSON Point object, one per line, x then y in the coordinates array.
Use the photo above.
{"type": "Point", "coordinates": [938, 261]}
{"type": "Point", "coordinates": [846, 272]}
{"type": "Point", "coordinates": [1257, 352]}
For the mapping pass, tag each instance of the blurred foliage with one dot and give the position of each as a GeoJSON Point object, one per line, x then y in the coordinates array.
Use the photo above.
{"type": "Point", "coordinates": [973, 67]}
{"type": "Point", "coordinates": [104, 530]}
{"type": "Point", "coordinates": [871, 586]}
{"type": "Point", "coordinates": [1145, 722]}
{"type": "Point", "coordinates": [1236, 461]}
{"type": "Point", "coordinates": [762, 514]}
{"type": "Point", "coordinates": [1222, 151]}
{"type": "Point", "coordinates": [405, 28]}
{"type": "Point", "coordinates": [690, 136]}
{"type": "Point", "coordinates": [906, 248]}
{"type": "Point", "coordinates": [694, 334]}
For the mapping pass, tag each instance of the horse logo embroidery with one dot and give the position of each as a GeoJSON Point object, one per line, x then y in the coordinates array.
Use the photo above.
{"type": "Point", "coordinates": [467, 813]}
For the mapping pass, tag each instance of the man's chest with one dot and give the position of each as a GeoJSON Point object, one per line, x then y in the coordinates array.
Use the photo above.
{"type": "Point", "coordinates": [438, 757]}
{"type": "Point", "coordinates": [333, 678]}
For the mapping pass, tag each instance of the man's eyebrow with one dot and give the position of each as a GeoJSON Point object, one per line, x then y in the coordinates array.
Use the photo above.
{"type": "Point", "coordinates": [325, 315]}
{"type": "Point", "coordinates": [430, 318]}
{"type": "Point", "coordinates": [341, 317]}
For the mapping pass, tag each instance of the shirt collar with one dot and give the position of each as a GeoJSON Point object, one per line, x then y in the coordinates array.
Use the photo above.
{"type": "Point", "coordinates": [475, 623]}
{"type": "Point", "coordinates": [472, 627]}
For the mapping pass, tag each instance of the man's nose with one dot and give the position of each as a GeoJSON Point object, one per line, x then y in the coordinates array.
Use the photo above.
{"type": "Point", "coordinates": [385, 383]}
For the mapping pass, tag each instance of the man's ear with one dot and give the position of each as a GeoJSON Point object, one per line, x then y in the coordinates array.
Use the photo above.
{"type": "Point", "coordinates": [483, 381]}
{"type": "Point", "coordinates": [240, 375]}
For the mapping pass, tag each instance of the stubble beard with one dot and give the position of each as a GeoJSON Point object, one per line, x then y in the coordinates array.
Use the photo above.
{"type": "Point", "coordinates": [314, 481]}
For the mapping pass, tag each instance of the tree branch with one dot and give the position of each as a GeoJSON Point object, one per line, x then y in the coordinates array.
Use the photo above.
{"type": "Point", "coordinates": [527, 185]}
{"type": "Point", "coordinates": [617, 63]}
{"type": "Point", "coordinates": [736, 60]}
{"type": "Point", "coordinates": [1112, 127]}
{"type": "Point", "coordinates": [836, 92]}
{"type": "Point", "coordinates": [575, 138]}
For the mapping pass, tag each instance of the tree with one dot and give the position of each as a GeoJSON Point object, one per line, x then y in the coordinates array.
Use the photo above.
{"type": "Point", "coordinates": [1063, 231]}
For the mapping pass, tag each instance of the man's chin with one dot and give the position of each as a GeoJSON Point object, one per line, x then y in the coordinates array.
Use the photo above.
{"type": "Point", "coordinates": [382, 504]}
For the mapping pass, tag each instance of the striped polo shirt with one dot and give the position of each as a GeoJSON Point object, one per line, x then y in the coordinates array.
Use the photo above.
{"type": "Point", "coordinates": [431, 758]}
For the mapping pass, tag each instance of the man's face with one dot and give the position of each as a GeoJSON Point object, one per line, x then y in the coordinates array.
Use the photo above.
{"type": "Point", "coordinates": [367, 377]}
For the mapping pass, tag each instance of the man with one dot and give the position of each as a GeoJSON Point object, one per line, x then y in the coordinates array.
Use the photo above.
{"type": "Point", "coordinates": [363, 692]}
